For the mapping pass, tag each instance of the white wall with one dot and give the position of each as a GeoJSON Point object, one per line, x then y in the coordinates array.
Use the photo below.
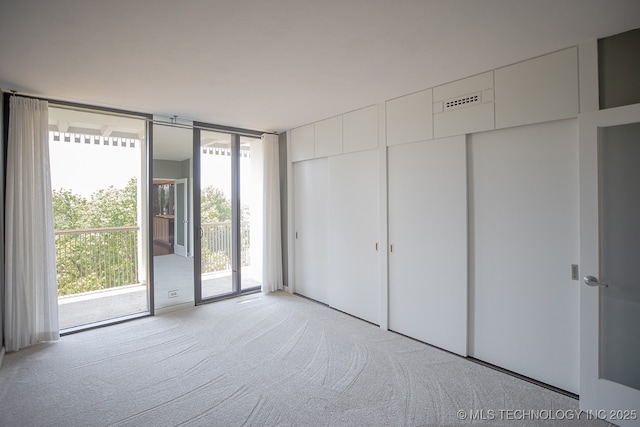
{"type": "Point", "coordinates": [524, 236]}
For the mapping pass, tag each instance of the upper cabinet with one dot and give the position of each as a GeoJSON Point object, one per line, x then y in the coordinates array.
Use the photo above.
{"type": "Point", "coordinates": [410, 118]}
{"type": "Point", "coordinates": [328, 141]}
{"type": "Point", "coordinates": [302, 143]}
{"type": "Point", "coordinates": [538, 90]}
{"type": "Point", "coordinates": [464, 106]}
{"type": "Point", "coordinates": [347, 133]}
{"type": "Point", "coordinates": [360, 129]}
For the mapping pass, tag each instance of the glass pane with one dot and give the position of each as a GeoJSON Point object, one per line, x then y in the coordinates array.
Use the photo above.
{"type": "Point", "coordinates": [172, 200]}
{"type": "Point", "coordinates": [251, 211]}
{"type": "Point", "coordinates": [619, 169]}
{"type": "Point", "coordinates": [215, 211]}
{"type": "Point", "coordinates": [99, 220]}
{"type": "Point", "coordinates": [180, 212]}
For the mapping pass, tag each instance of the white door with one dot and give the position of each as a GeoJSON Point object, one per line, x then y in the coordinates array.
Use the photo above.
{"type": "Point", "coordinates": [609, 258]}
{"type": "Point", "coordinates": [427, 185]}
{"type": "Point", "coordinates": [310, 235]}
{"type": "Point", "coordinates": [181, 221]}
{"type": "Point", "coordinates": [353, 229]}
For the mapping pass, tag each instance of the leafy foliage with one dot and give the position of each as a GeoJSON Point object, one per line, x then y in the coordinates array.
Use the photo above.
{"type": "Point", "coordinates": [90, 261]}
{"type": "Point", "coordinates": [110, 207]}
{"type": "Point", "coordinates": [69, 210]}
{"type": "Point", "coordinates": [214, 206]}
{"type": "Point", "coordinates": [98, 260]}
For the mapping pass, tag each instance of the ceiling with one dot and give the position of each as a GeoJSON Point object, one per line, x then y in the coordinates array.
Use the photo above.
{"type": "Point", "coordinates": [275, 64]}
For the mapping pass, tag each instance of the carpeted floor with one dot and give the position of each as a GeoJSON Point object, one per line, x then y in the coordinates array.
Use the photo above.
{"type": "Point", "coordinates": [261, 360]}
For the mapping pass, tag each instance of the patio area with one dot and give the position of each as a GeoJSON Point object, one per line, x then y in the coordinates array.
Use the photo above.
{"type": "Point", "coordinates": [109, 259]}
{"type": "Point", "coordinates": [171, 271]}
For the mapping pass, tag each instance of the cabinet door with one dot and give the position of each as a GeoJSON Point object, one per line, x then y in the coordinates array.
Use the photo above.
{"type": "Point", "coordinates": [360, 130]}
{"type": "Point", "coordinates": [353, 230]}
{"type": "Point", "coordinates": [310, 240]}
{"type": "Point", "coordinates": [410, 118]}
{"type": "Point", "coordinates": [538, 90]}
{"type": "Point", "coordinates": [302, 143]}
{"type": "Point", "coordinates": [428, 234]}
{"type": "Point", "coordinates": [328, 137]}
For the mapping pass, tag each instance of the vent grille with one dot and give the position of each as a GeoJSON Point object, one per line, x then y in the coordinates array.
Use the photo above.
{"type": "Point", "coordinates": [462, 101]}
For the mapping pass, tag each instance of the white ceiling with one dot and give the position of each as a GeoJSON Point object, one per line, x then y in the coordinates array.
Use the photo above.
{"type": "Point", "coordinates": [275, 64]}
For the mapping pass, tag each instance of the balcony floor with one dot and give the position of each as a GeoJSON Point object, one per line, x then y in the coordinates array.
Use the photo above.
{"type": "Point", "coordinates": [108, 304]}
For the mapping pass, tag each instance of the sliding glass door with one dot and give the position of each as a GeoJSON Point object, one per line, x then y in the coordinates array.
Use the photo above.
{"type": "Point", "coordinates": [229, 190]}
{"type": "Point", "coordinates": [216, 246]}
{"type": "Point", "coordinates": [250, 212]}
{"type": "Point", "coordinates": [98, 176]}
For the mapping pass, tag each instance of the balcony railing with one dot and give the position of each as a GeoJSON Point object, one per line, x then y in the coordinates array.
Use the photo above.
{"type": "Point", "coordinates": [96, 258]}
{"type": "Point", "coordinates": [100, 258]}
{"type": "Point", "coordinates": [216, 245]}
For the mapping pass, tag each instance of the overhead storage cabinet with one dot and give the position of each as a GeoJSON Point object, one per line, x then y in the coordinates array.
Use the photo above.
{"type": "Point", "coordinates": [328, 137]}
{"type": "Point", "coordinates": [538, 90]}
{"type": "Point", "coordinates": [360, 129]}
{"type": "Point", "coordinates": [302, 143]}
{"type": "Point", "coordinates": [410, 118]}
{"type": "Point", "coordinates": [464, 106]}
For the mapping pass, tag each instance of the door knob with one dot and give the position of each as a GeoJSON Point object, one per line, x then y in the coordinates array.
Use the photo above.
{"type": "Point", "coordinates": [593, 281]}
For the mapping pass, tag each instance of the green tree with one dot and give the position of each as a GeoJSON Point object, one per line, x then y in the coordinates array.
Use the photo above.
{"type": "Point", "coordinates": [114, 207]}
{"type": "Point", "coordinates": [93, 261]}
{"type": "Point", "coordinates": [69, 210]}
{"type": "Point", "coordinates": [214, 206]}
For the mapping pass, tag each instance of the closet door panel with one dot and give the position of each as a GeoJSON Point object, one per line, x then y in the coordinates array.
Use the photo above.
{"type": "Point", "coordinates": [427, 185]}
{"type": "Point", "coordinates": [310, 240]}
{"type": "Point", "coordinates": [354, 215]}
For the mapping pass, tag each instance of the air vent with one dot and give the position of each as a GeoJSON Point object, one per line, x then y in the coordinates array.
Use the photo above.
{"type": "Point", "coordinates": [462, 101]}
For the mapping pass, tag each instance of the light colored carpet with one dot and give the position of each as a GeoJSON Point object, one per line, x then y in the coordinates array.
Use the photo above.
{"type": "Point", "coordinates": [257, 360]}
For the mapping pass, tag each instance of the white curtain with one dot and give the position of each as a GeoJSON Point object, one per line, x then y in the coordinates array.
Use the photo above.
{"type": "Point", "coordinates": [31, 305]}
{"type": "Point", "coordinates": [272, 239]}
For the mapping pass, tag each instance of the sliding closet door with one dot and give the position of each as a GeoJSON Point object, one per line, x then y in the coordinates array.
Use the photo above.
{"type": "Point", "coordinates": [428, 242]}
{"type": "Point", "coordinates": [353, 234]}
{"type": "Point", "coordinates": [310, 239]}
{"type": "Point", "coordinates": [525, 236]}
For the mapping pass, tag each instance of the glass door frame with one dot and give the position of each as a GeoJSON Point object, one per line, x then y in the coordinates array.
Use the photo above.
{"type": "Point", "coordinates": [600, 396]}
{"type": "Point", "coordinates": [144, 197]}
{"type": "Point", "coordinates": [236, 248]}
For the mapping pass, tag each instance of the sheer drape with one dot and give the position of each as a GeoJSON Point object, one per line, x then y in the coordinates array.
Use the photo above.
{"type": "Point", "coordinates": [272, 239]}
{"type": "Point", "coordinates": [31, 306]}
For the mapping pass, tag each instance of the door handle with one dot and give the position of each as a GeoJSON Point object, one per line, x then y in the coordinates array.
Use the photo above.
{"type": "Point", "coordinates": [593, 281]}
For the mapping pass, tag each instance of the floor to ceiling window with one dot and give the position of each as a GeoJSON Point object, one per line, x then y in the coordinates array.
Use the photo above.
{"type": "Point", "coordinates": [230, 214]}
{"type": "Point", "coordinates": [98, 182]}
{"type": "Point", "coordinates": [172, 216]}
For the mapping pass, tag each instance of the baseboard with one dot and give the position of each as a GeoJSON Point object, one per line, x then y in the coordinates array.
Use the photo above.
{"type": "Point", "coordinates": [172, 308]}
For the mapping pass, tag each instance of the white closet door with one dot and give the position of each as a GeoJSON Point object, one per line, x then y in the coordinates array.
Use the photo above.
{"type": "Point", "coordinates": [310, 216]}
{"type": "Point", "coordinates": [354, 217]}
{"type": "Point", "coordinates": [526, 234]}
{"type": "Point", "coordinates": [428, 235]}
